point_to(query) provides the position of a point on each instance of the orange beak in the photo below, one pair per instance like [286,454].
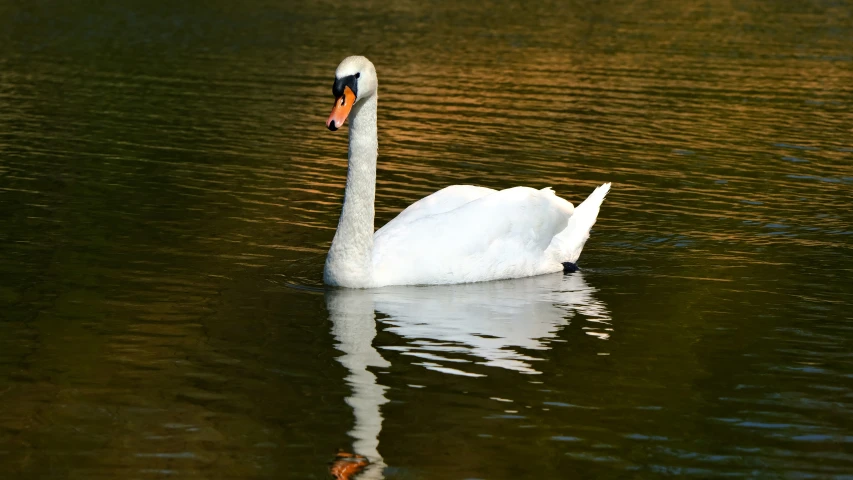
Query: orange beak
[341,109]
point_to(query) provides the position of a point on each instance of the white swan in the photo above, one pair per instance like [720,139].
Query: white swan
[459,234]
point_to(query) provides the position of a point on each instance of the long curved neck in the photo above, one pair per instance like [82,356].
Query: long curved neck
[349,261]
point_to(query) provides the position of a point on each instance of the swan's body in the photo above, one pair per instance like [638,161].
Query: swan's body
[459,234]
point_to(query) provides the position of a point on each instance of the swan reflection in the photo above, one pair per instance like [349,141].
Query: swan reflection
[450,327]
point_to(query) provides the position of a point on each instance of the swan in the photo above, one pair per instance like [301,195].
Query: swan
[459,234]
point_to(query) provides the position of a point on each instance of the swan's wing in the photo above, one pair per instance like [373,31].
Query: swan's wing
[503,234]
[444,200]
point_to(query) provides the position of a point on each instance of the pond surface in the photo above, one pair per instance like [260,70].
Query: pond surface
[168,191]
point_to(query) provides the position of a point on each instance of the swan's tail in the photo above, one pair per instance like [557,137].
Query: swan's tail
[570,241]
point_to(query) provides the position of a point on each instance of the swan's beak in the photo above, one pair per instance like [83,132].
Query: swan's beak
[340,111]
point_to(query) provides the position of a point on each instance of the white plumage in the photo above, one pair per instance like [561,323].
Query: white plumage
[459,234]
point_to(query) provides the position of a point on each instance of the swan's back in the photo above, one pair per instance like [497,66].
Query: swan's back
[444,200]
[501,234]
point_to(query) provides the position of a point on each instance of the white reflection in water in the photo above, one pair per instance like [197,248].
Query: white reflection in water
[498,323]
[354,328]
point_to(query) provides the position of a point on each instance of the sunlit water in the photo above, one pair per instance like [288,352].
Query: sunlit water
[168,191]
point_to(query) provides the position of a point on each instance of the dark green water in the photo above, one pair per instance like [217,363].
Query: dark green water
[168,191]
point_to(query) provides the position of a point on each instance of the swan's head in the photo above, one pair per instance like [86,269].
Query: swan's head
[355,80]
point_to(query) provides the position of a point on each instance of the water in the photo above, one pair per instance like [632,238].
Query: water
[168,191]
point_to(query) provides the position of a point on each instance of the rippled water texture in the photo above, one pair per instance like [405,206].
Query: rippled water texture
[168,191]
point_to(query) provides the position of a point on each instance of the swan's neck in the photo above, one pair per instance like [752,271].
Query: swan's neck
[349,261]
